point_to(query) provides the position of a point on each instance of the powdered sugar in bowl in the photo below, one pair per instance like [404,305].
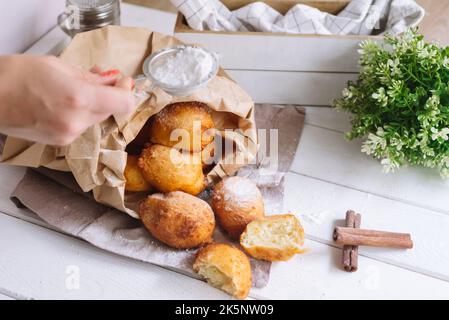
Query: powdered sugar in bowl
[182,69]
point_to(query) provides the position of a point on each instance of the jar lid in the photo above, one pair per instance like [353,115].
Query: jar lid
[92,5]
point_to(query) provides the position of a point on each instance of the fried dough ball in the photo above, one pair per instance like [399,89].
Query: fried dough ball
[191,120]
[168,169]
[225,267]
[237,201]
[135,182]
[178,219]
[208,156]
[274,238]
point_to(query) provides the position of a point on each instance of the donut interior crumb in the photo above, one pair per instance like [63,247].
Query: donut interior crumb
[278,234]
[216,278]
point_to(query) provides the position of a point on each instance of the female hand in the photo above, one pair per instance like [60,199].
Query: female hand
[45,100]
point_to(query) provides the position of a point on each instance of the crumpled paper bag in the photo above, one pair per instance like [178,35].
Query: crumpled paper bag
[360,17]
[97,159]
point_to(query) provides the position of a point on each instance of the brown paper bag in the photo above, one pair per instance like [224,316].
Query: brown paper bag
[98,158]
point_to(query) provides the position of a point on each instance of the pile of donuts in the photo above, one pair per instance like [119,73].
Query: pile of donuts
[172,173]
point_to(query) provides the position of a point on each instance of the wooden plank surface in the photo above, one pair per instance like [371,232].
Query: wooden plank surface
[280,52]
[331,175]
[280,87]
[152,18]
[41,264]
[4,297]
[328,118]
[316,275]
[13,175]
[324,207]
[414,200]
[326,155]
[340,199]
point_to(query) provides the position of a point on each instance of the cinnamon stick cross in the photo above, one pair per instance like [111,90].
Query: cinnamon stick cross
[352,236]
[372,238]
[350,257]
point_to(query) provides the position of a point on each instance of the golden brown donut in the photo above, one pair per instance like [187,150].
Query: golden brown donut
[135,181]
[225,267]
[236,202]
[208,156]
[168,169]
[192,118]
[274,238]
[178,219]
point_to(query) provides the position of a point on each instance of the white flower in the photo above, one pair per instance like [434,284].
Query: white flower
[394,87]
[433,103]
[389,166]
[444,173]
[408,35]
[380,96]
[374,142]
[445,161]
[446,62]
[397,143]
[368,46]
[367,148]
[394,66]
[380,93]
[420,45]
[443,134]
[425,149]
[415,144]
[423,54]
[347,93]
[380,132]
[428,53]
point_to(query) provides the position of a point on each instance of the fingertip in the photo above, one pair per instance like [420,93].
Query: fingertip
[110,79]
[110,73]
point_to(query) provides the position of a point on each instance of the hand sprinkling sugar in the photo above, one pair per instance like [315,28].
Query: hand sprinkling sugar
[186,67]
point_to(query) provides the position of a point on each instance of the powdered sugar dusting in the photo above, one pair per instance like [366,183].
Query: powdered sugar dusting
[315,218]
[186,67]
[240,191]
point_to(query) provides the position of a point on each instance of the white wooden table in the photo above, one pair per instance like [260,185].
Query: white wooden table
[329,176]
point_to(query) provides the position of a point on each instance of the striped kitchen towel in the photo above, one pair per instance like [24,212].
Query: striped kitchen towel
[363,17]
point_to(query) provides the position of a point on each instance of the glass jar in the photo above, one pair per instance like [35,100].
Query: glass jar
[86,15]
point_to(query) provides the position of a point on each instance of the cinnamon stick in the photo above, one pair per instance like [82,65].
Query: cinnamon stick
[372,238]
[350,252]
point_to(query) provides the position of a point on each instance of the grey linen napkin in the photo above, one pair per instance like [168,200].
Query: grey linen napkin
[56,198]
